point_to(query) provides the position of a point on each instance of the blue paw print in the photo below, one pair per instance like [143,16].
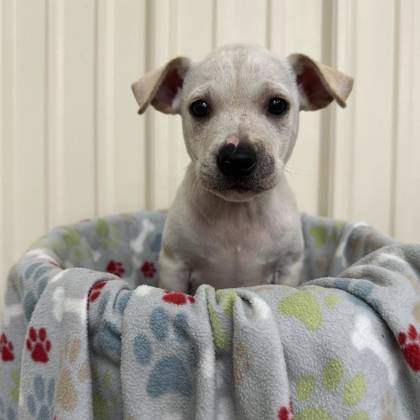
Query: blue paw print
[37,275]
[40,402]
[156,244]
[6,414]
[107,337]
[170,372]
[360,288]
[122,300]
[361,292]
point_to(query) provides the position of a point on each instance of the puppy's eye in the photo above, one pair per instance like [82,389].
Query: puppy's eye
[200,108]
[277,106]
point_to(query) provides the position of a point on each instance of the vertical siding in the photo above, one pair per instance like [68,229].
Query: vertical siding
[2,169]
[77,188]
[240,21]
[72,145]
[373,113]
[342,130]
[120,141]
[405,206]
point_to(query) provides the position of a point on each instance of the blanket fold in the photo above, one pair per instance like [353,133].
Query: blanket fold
[87,334]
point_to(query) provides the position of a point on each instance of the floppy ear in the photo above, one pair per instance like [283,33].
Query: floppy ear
[319,84]
[161,87]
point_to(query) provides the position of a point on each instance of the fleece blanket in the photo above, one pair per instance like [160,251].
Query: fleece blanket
[87,334]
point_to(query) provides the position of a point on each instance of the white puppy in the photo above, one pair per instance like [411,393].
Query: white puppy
[234,221]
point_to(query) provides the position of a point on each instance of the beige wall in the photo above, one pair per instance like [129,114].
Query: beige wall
[73,147]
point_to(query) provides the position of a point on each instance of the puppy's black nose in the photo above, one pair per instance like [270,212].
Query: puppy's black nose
[236,160]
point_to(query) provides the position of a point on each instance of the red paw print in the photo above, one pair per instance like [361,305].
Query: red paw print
[115,267]
[410,346]
[286,413]
[177,298]
[38,344]
[6,349]
[96,290]
[148,269]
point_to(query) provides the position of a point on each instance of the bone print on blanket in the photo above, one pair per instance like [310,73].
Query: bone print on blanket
[87,334]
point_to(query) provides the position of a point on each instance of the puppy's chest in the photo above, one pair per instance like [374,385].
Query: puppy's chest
[237,254]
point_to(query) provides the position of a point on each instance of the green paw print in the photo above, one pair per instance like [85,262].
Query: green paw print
[109,236]
[221,337]
[306,307]
[15,377]
[323,235]
[71,236]
[350,392]
[104,402]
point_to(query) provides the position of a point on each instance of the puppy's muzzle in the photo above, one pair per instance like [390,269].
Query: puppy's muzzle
[237,161]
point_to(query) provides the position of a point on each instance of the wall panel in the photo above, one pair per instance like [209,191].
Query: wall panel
[341,165]
[373,113]
[78,84]
[120,132]
[3,246]
[160,48]
[240,21]
[405,205]
[23,128]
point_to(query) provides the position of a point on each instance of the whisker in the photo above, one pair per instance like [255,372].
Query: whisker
[295,171]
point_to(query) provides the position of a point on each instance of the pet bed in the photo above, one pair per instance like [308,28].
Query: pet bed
[87,334]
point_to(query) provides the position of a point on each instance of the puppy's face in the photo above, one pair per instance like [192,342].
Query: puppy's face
[240,112]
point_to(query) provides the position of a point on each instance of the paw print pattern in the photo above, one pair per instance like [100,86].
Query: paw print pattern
[332,380]
[6,349]
[96,290]
[15,384]
[286,412]
[168,374]
[73,373]
[38,344]
[37,275]
[148,269]
[39,403]
[410,346]
[115,267]
[106,398]
[6,413]
[306,307]
[177,298]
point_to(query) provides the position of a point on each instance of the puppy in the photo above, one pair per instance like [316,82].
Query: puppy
[234,221]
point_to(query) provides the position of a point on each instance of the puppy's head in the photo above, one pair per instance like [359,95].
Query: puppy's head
[240,112]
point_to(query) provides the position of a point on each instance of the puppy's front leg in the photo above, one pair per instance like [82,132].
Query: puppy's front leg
[174,273]
[289,275]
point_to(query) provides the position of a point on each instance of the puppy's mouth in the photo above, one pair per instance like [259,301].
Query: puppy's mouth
[264,177]
[239,189]
[244,187]
[235,192]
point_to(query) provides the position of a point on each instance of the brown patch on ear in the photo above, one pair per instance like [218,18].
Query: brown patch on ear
[173,83]
[315,92]
[160,87]
[319,84]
